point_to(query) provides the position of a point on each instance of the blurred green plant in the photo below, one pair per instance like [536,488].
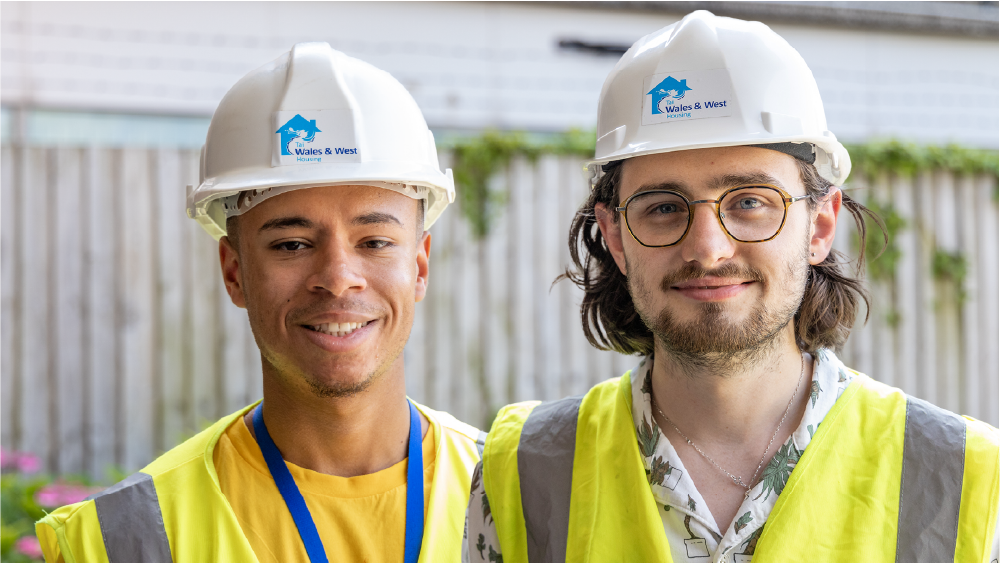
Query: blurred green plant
[902,158]
[951,268]
[25,497]
[477,159]
[882,256]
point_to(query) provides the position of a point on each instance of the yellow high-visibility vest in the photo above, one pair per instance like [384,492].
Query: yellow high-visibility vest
[174,509]
[886,478]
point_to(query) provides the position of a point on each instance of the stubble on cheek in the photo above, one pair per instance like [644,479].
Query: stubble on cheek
[714,337]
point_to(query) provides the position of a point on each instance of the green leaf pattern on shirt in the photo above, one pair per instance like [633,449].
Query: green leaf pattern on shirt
[777,471]
[743,521]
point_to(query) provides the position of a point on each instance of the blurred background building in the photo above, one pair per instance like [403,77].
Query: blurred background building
[117,338]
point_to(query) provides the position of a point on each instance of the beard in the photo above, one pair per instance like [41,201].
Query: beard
[715,339]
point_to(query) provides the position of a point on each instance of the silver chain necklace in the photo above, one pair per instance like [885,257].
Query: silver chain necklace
[738,480]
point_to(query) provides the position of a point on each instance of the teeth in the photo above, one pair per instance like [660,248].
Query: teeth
[339,329]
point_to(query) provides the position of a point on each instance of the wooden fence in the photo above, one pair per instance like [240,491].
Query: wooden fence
[118,339]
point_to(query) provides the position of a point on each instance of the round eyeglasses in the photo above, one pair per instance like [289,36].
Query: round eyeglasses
[748,214]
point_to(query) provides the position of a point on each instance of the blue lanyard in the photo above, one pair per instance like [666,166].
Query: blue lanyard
[300,512]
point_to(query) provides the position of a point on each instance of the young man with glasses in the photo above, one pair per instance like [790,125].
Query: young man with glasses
[706,247]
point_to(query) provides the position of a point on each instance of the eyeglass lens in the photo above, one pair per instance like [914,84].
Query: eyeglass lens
[753,213]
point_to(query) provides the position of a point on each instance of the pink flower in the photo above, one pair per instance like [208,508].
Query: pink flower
[59,494]
[28,545]
[28,463]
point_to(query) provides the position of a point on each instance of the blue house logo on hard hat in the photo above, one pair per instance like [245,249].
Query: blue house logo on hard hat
[664,94]
[297,128]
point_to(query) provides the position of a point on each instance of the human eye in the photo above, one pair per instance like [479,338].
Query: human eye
[377,244]
[666,208]
[289,246]
[749,203]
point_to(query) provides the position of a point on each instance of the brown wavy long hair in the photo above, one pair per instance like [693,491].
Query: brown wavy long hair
[611,322]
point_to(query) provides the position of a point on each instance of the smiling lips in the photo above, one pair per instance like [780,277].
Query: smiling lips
[338,329]
[711,288]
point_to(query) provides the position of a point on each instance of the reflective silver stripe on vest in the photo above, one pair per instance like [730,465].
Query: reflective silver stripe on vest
[131,522]
[545,466]
[931,490]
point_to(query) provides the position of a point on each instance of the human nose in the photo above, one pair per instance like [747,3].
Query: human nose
[338,270]
[706,242]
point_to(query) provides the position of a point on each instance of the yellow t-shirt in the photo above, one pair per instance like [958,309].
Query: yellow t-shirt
[359,519]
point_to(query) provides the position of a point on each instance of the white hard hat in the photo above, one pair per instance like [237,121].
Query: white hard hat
[709,81]
[315,117]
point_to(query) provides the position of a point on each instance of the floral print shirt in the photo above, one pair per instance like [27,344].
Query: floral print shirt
[692,531]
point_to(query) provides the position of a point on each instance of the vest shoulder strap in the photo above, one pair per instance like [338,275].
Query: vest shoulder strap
[909,459]
[131,521]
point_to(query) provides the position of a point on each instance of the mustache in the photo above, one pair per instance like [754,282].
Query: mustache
[691,271]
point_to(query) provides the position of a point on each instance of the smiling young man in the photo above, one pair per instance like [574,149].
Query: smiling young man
[320,178]
[706,247]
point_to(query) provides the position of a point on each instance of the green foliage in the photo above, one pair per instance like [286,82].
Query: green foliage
[951,268]
[882,256]
[18,513]
[908,158]
[478,159]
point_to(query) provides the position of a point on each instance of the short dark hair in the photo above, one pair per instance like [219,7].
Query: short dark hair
[611,322]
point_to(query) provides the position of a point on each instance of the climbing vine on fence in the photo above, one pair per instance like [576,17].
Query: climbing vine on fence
[897,157]
[951,268]
[478,158]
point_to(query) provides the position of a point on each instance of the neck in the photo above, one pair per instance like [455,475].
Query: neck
[343,436]
[730,400]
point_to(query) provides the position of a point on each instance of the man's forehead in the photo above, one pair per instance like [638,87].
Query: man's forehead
[714,170]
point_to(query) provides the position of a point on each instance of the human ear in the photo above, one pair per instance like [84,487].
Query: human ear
[423,266]
[229,260]
[824,226]
[612,233]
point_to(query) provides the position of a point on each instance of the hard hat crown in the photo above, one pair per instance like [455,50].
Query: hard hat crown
[315,117]
[708,81]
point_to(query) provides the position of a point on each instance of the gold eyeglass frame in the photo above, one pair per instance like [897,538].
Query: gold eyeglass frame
[787,198]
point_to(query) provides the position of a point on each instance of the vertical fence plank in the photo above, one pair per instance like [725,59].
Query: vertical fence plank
[463,320]
[33,240]
[521,232]
[440,303]
[882,321]
[989,273]
[102,328]
[946,306]
[68,304]
[495,333]
[137,303]
[171,258]
[545,247]
[572,194]
[908,305]
[969,370]
[927,335]
[203,337]
[10,303]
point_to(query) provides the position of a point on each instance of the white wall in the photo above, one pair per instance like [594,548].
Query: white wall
[469,65]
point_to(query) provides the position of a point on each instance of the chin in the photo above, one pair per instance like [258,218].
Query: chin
[342,387]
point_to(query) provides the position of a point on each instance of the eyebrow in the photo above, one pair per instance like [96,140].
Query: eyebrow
[718,183]
[286,223]
[375,218]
